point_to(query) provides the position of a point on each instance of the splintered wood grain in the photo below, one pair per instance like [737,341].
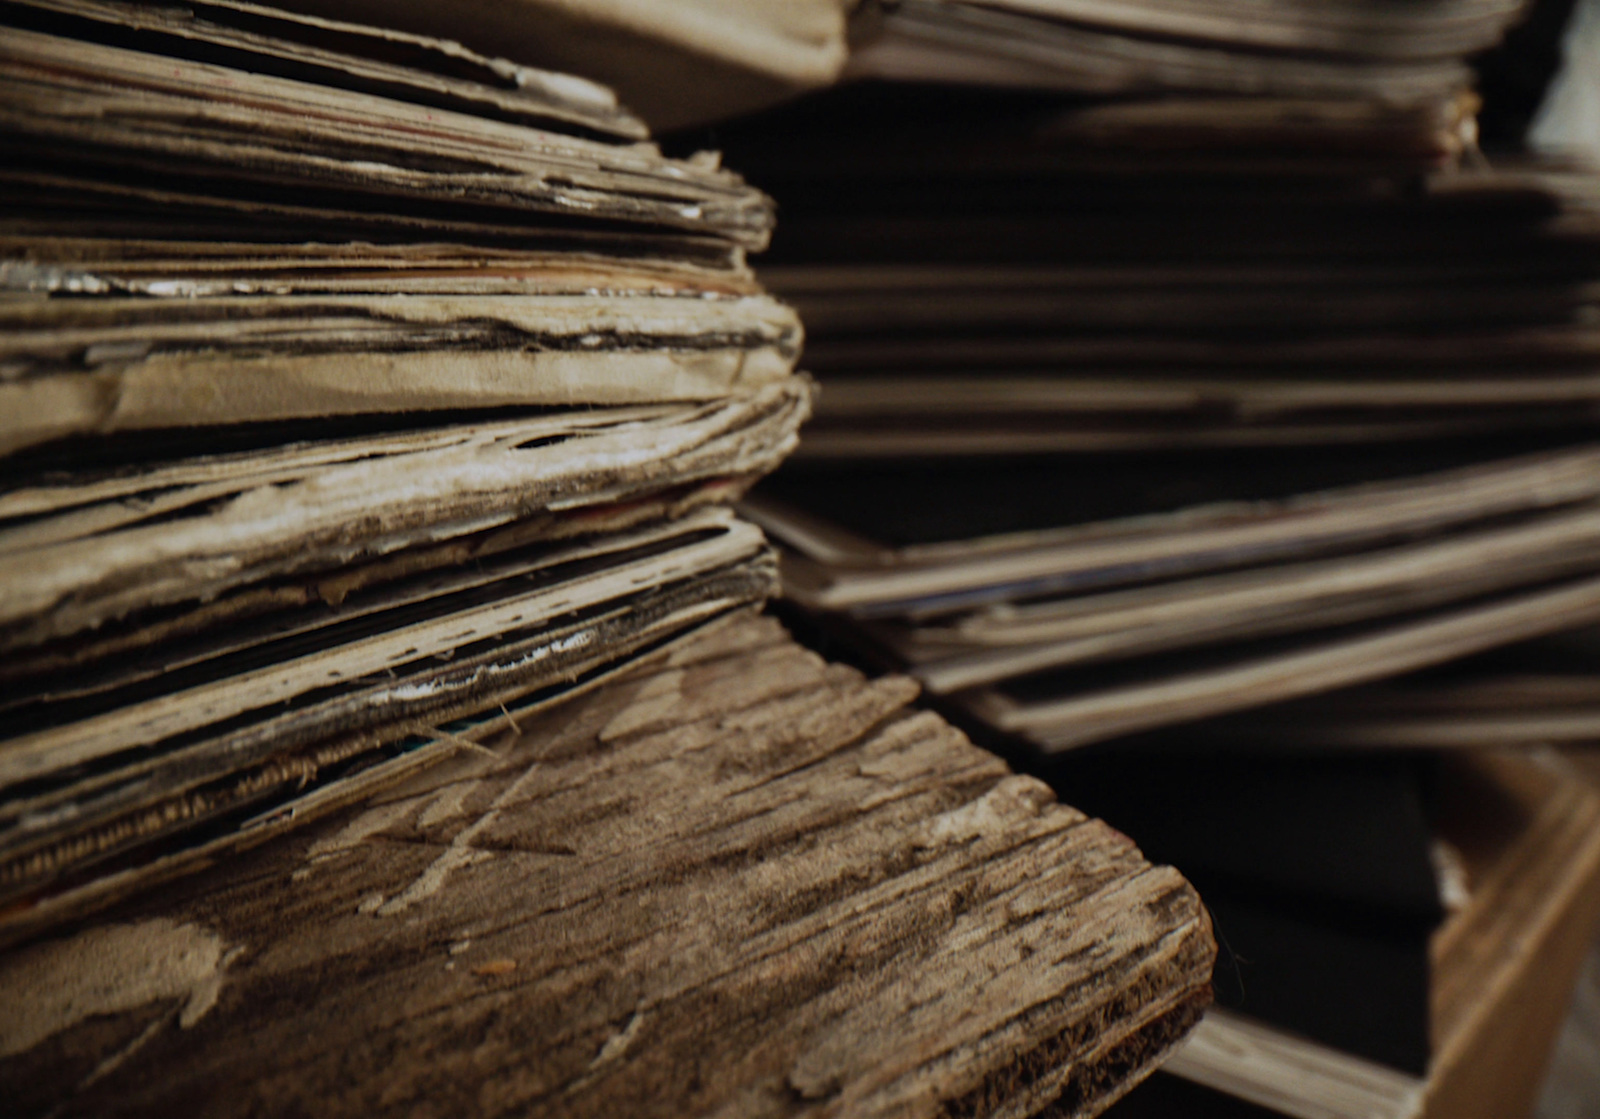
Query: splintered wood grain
[739,882]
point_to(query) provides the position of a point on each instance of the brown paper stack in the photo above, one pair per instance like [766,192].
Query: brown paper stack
[360,395]
[1237,377]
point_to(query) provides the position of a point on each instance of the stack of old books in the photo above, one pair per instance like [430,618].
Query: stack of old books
[360,395]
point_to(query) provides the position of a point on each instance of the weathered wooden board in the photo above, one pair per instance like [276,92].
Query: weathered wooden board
[1527,825]
[738,882]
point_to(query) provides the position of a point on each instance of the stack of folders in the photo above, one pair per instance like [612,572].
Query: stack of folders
[1206,420]
[358,394]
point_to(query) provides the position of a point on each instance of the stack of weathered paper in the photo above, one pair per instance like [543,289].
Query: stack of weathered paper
[1533,694]
[1188,48]
[359,394]
[1140,411]
[1058,303]
[1175,609]
[696,61]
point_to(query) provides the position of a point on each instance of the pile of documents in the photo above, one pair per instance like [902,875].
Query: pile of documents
[359,394]
[1145,410]
[1187,48]
[1176,609]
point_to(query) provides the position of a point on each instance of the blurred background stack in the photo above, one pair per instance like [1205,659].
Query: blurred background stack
[1206,417]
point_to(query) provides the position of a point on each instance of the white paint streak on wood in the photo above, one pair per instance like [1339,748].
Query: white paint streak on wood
[655,702]
[54,985]
[460,853]
[119,1058]
[1013,799]
[370,822]
[448,804]
[617,1044]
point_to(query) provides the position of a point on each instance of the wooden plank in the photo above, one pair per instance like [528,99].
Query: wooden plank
[1504,967]
[737,882]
